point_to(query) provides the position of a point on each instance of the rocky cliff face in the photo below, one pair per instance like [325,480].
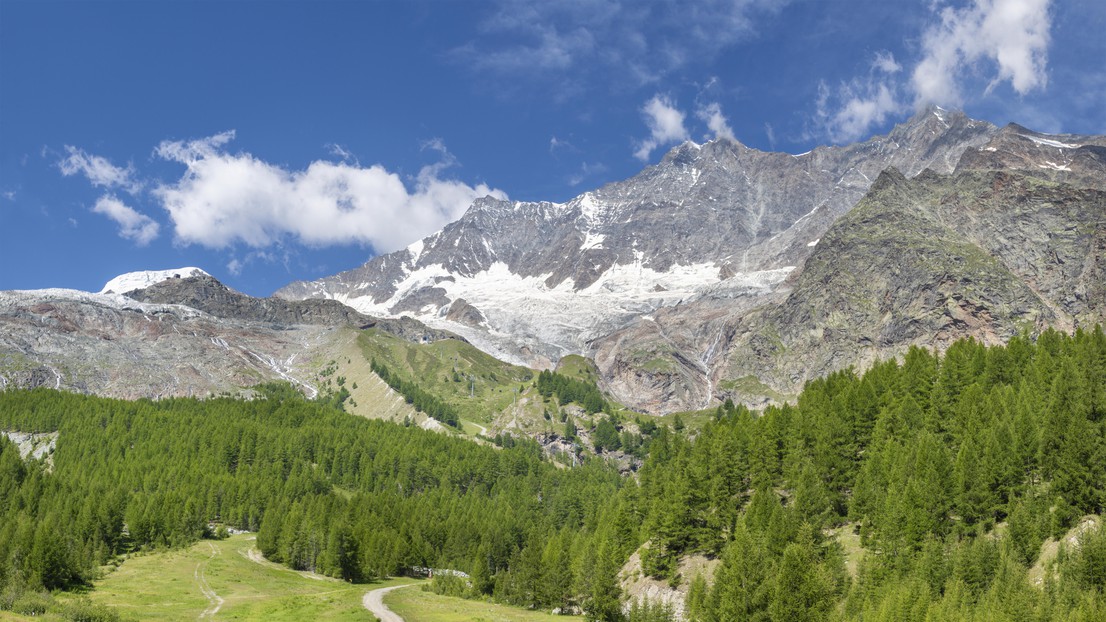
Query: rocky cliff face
[531,282]
[922,261]
[925,262]
[175,337]
[728,272]
[112,345]
[720,272]
[205,293]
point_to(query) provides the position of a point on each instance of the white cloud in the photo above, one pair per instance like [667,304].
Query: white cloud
[187,152]
[99,170]
[559,143]
[341,153]
[770,132]
[711,114]
[1000,40]
[885,62]
[225,198]
[641,40]
[851,110]
[1013,35]
[666,125]
[132,225]
[857,107]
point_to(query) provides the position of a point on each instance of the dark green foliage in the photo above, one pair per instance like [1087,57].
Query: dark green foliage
[339,495]
[570,429]
[568,389]
[922,459]
[416,396]
[645,611]
[605,437]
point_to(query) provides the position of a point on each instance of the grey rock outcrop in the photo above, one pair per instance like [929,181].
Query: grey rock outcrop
[176,337]
[724,271]
[570,273]
[207,294]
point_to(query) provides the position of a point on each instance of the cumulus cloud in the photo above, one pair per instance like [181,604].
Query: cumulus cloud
[850,111]
[711,114]
[132,225]
[666,125]
[99,170]
[1011,36]
[224,198]
[997,40]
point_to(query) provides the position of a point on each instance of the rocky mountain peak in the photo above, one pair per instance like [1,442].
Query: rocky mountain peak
[145,278]
[548,278]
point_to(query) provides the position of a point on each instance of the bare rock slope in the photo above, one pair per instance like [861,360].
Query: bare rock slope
[724,271]
[175,337]
[531,282]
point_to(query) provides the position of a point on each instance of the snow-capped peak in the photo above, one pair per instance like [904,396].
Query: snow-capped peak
[141,280]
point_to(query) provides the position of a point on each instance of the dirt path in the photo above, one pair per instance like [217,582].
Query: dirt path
[374,602]
[215,602]
[254,555]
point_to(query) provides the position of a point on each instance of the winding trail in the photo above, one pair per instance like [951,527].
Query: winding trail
[215,602]
[374,602]
[254,555]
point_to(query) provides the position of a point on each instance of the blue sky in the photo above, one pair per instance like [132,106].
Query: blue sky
[272,141]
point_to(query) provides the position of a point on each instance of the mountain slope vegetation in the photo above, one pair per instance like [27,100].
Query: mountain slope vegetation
[953,470]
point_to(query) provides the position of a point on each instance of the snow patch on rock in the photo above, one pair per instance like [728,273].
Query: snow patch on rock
[141,280]
[1050,143]
[525,310]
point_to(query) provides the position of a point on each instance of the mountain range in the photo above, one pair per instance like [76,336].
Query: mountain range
[724,271]
[720,272]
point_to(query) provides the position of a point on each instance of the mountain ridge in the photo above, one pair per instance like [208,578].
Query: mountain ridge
[703,215]
[657,276]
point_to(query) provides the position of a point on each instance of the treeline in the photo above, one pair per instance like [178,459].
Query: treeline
[416,396]
[327,492]
[952,470]
[568,389]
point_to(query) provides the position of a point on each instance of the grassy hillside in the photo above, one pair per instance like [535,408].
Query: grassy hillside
[482,388]
[225,579]
[491,396]
[230,580]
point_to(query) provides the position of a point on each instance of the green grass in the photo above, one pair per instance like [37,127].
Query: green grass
[579,367]
[692,419]
[487,393]
[415,605]
[170,585]
[851,548]
[752,386]
[167,586]
[482,386]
